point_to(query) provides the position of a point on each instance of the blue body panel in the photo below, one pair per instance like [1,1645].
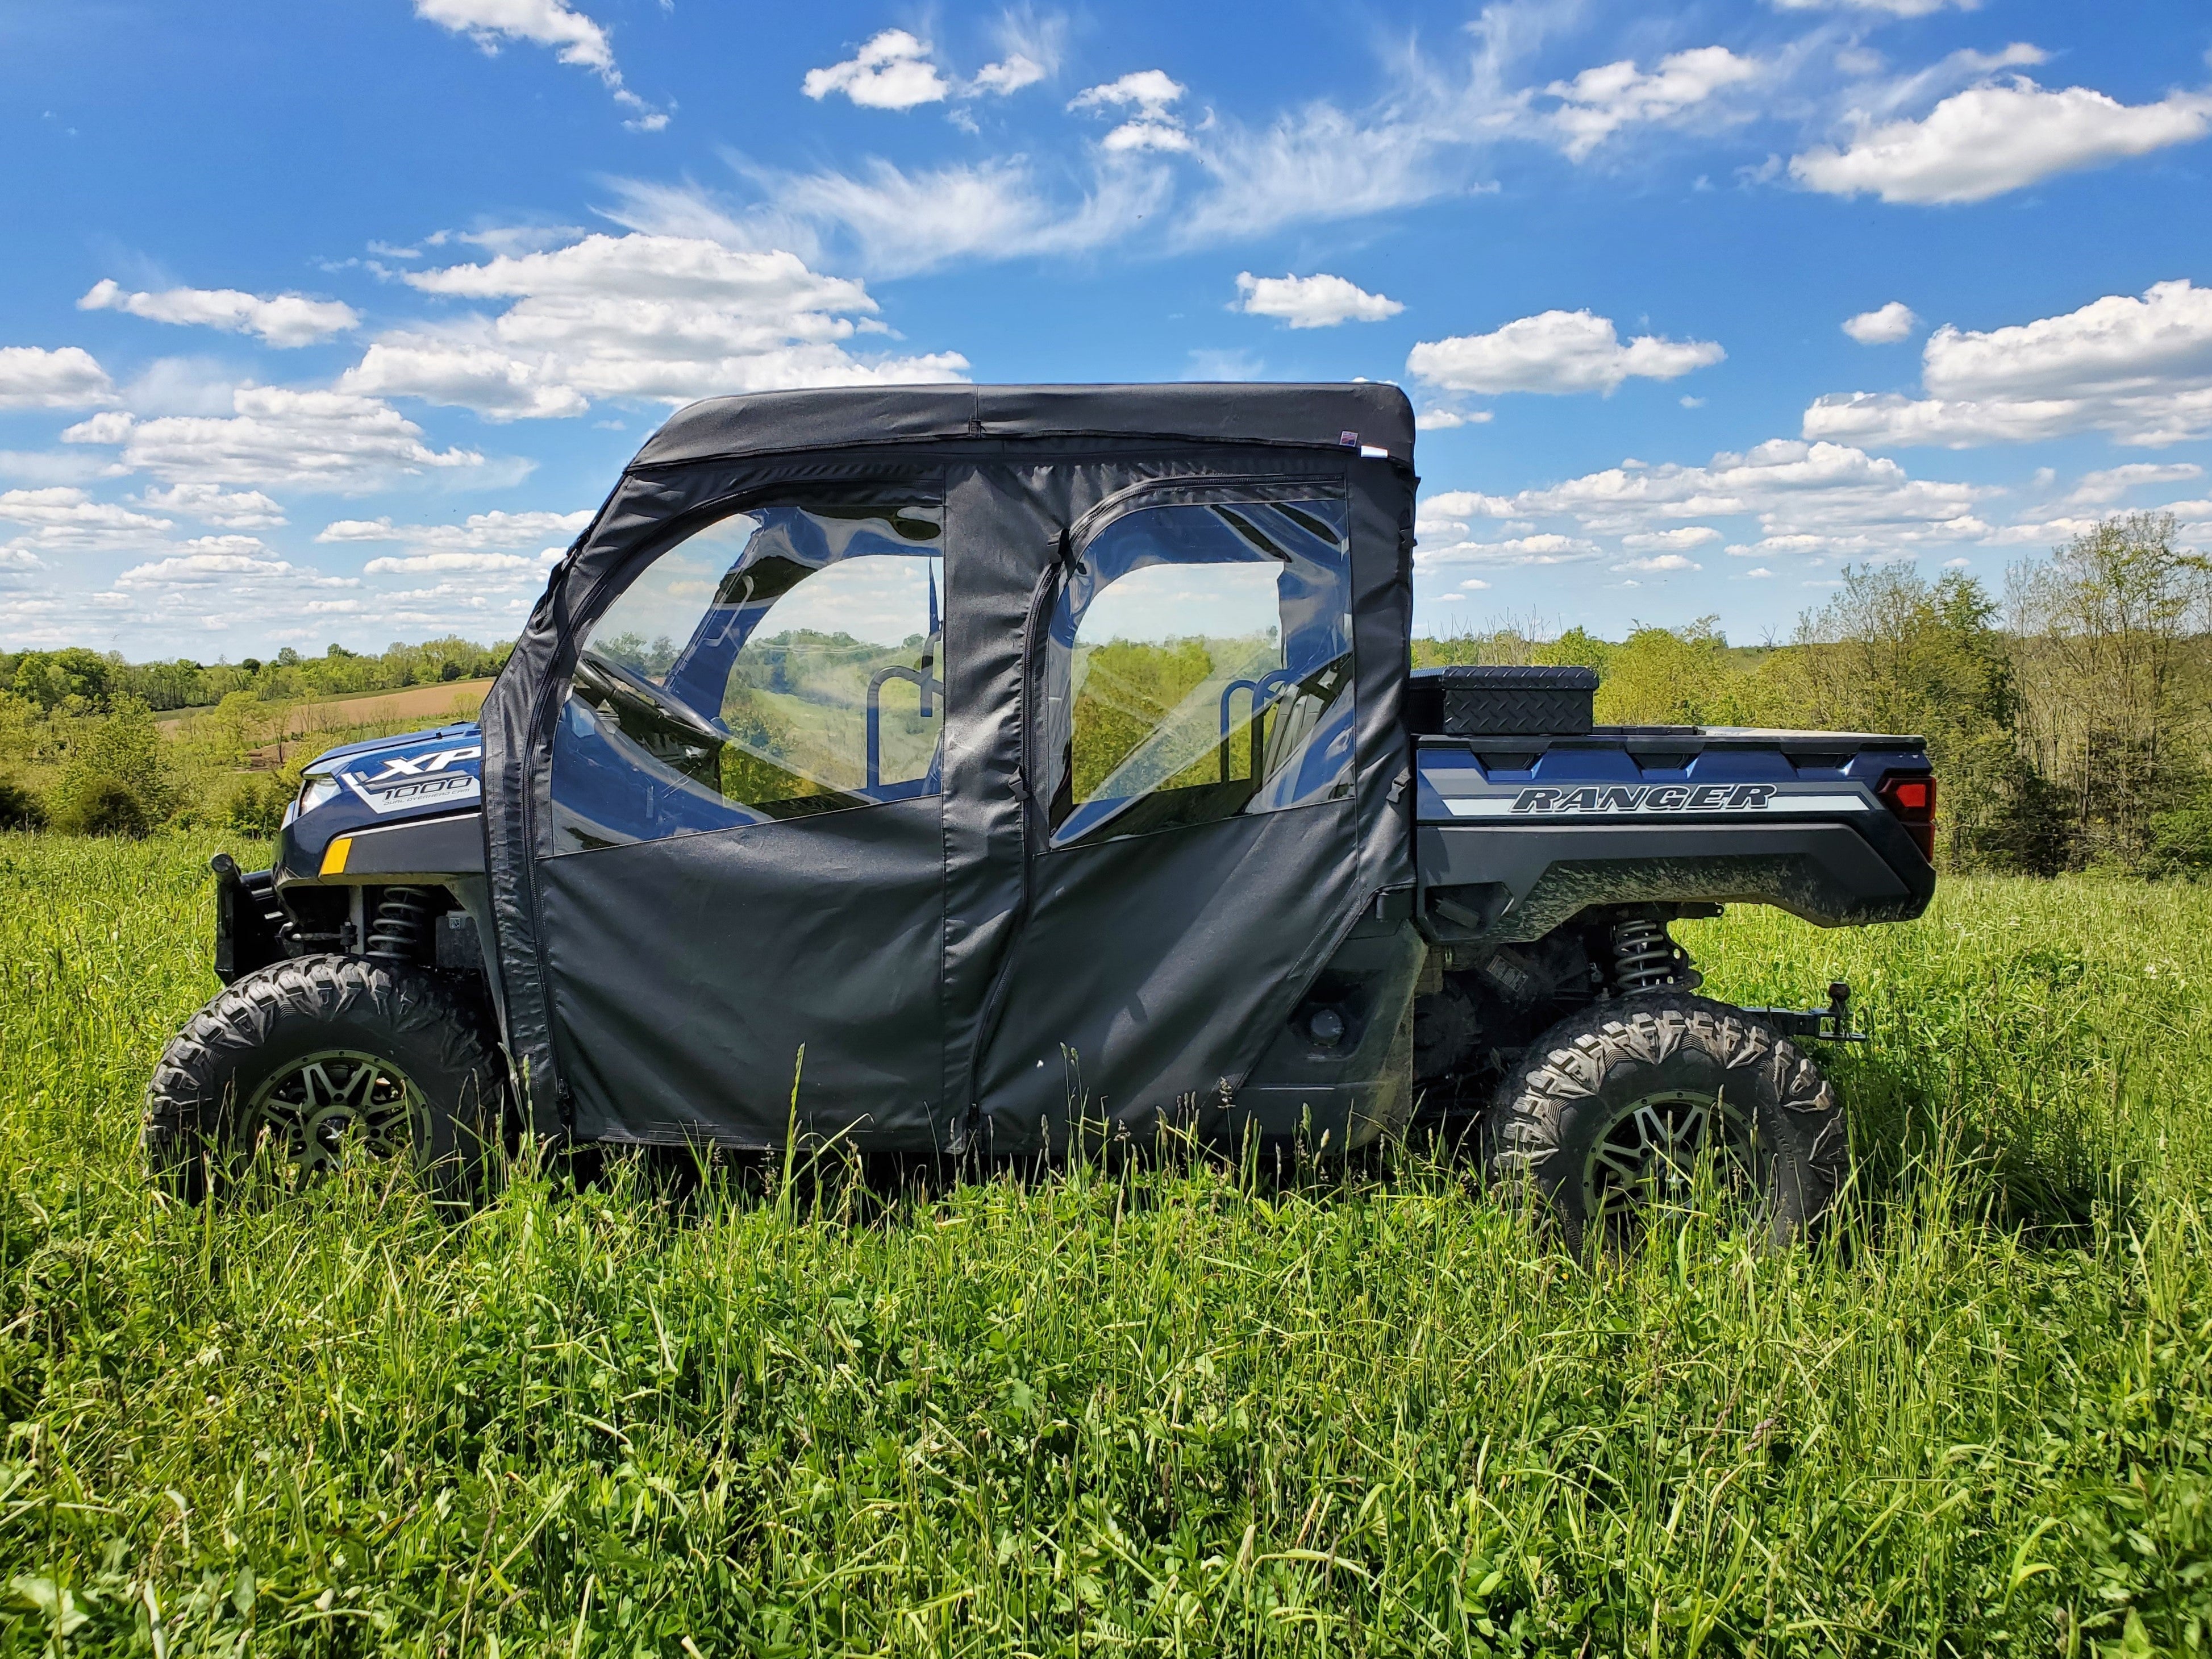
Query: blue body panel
[382,782]
[1519,835]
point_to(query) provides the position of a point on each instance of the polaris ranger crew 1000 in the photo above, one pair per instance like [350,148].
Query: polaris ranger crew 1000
[1034,756]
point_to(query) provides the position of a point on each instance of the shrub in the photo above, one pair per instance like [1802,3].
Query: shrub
[19,808]
[99,805]
[115,780]
[256,805]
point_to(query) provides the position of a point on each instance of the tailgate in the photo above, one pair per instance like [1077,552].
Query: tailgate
[1515,834]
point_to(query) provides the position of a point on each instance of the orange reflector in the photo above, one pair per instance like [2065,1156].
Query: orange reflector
[335,856]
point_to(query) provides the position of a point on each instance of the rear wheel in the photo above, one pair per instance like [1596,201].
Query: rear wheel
[324,1061]
[1619,1109]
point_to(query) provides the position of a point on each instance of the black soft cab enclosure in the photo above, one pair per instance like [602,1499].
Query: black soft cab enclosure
[1018,752]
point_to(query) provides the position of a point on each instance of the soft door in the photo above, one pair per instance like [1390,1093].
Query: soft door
[1191,756]
[746,848]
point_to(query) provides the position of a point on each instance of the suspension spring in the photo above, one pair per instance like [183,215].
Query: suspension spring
[1643,957]
[401,932]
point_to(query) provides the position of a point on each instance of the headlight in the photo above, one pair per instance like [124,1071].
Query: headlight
[319,788]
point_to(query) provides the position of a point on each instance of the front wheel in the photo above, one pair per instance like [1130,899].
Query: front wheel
[1618,1107]
[324,1060]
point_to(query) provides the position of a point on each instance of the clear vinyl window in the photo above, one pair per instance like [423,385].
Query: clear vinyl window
[782,661]
[1199,665]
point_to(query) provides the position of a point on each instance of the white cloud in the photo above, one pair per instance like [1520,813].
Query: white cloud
[1806,498]
[1317,301]
[469,596]
[2035,530]
[62,505]
[1313,163]
[2139,370]
[1688,535]
[2116,345]
[67,377]
[1659,563]
[287,320]
[1761,572]
[1445,420]
[246,509]
[1131,136]
[661,318]
[321,439]
[53,466]
[1874,99]
[1151,94]
[574,38]
[109,426]
[363,530]
[452,369]
[230,560]
[1885,325]
[65,519]
[897,71]
[893,70]
[1600,102]
[1319,164]
[1555,352]
[1445,516]
[1016,71]
[509,565]
[900,222]
[1993,138]
[480,531]
[181,386]
[1892,421]
[1148,92]
[1030,48]
[1546,547]
[2102,487]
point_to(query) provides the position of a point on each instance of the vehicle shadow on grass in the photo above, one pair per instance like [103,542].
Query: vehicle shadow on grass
[821,1177]
[2049,1190]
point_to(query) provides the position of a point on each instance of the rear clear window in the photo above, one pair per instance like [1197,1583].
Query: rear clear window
[784,661]
[1200,666]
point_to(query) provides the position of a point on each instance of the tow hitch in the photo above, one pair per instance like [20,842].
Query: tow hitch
[1830,1024]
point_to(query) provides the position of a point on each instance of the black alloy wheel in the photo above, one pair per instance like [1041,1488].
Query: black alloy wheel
[1627,1105]
[324,1061]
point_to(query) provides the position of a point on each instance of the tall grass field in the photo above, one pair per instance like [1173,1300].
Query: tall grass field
[1177,1406]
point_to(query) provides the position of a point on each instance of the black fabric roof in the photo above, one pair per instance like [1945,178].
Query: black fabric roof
[767,423]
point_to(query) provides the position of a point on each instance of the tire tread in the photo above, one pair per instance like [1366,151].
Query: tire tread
[188,1098]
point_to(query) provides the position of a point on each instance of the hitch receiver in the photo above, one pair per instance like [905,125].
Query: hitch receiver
[1830,1024]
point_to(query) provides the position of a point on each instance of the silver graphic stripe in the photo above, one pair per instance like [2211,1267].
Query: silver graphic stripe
[1501,806]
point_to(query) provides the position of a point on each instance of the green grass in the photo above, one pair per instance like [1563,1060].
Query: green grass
[1168,1410]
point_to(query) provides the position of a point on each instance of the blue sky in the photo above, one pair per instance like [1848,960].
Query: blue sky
[326,323]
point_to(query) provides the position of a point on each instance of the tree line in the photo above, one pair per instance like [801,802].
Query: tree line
[81,749]
[2070,715]
[93,679]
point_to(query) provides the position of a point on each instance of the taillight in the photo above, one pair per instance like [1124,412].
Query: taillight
[1911,798]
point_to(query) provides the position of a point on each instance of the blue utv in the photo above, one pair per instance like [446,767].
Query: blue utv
[1045,760]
